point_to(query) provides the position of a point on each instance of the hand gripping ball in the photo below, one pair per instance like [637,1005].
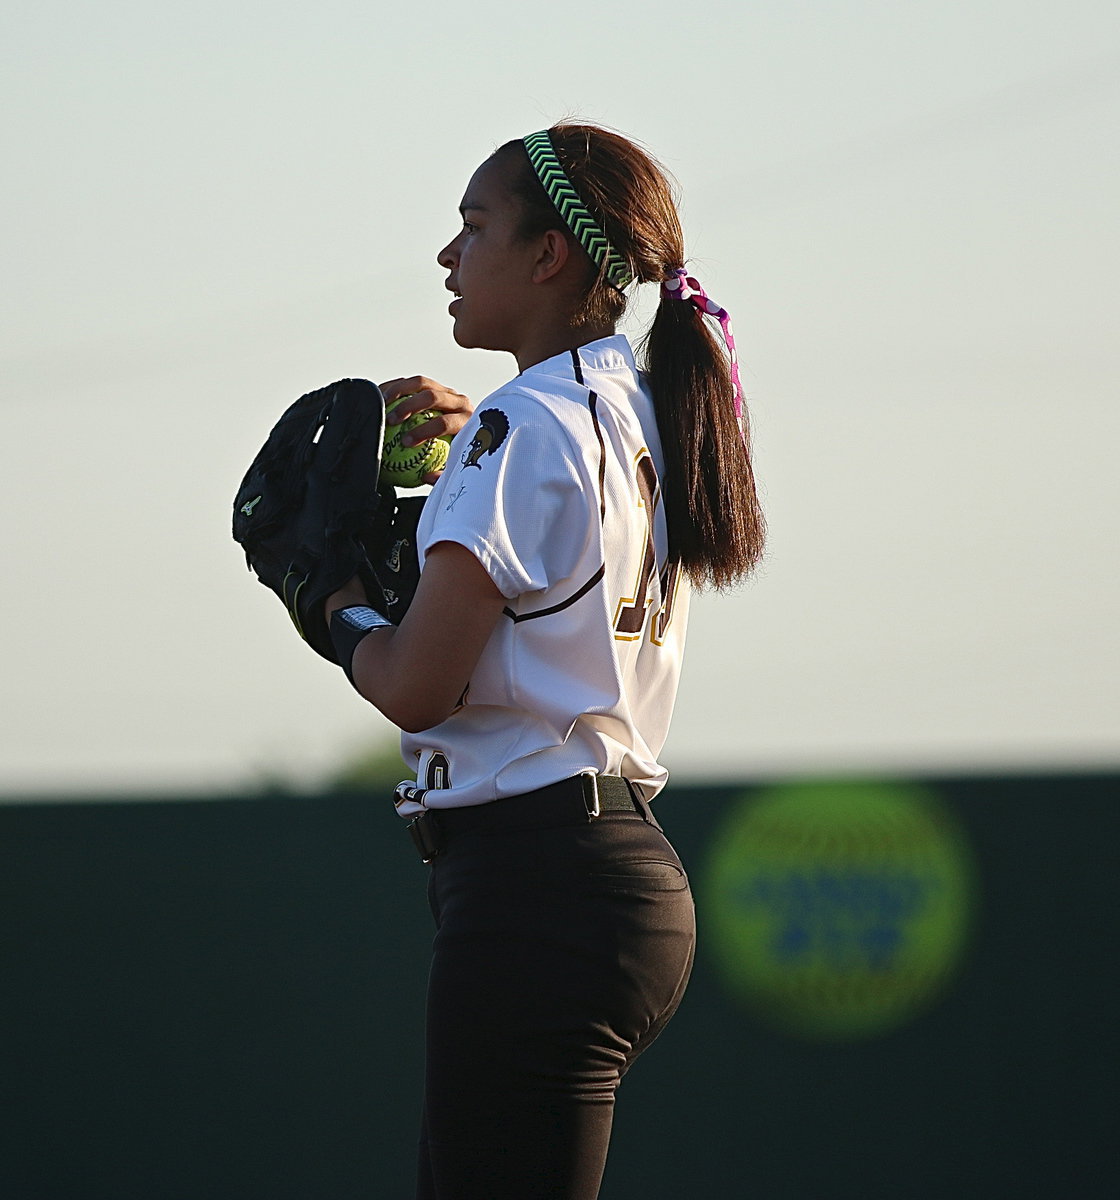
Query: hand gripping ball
[405,466]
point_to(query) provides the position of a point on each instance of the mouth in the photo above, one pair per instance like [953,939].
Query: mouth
[454,303]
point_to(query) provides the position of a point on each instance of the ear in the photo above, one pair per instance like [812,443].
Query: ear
[552,256]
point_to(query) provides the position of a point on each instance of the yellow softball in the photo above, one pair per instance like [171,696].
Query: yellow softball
[406,466]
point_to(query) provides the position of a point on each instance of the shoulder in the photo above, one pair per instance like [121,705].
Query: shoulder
[529,417]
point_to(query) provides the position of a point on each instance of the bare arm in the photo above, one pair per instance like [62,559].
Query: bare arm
[416,673]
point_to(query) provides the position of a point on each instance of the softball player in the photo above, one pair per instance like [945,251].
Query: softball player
[535,673]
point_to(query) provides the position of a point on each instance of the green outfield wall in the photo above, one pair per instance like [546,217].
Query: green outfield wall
[904,990]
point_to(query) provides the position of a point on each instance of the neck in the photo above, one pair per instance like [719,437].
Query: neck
[549,343]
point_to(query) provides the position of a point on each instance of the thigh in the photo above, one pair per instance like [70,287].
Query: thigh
[559,956]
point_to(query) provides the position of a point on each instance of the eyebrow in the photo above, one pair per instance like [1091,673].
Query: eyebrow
[471,206]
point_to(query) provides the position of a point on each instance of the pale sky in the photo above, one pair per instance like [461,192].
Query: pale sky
[910,211]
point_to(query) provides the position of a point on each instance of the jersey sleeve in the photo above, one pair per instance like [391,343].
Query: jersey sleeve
[513,494]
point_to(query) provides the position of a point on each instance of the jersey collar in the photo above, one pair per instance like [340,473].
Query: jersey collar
[607,354]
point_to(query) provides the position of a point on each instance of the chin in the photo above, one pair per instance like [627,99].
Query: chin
[475,341]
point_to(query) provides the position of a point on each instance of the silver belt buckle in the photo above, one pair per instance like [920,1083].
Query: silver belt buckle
[589,782]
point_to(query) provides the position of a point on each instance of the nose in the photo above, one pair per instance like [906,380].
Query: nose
[449,255]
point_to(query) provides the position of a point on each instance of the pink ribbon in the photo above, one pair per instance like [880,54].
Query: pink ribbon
[682,286]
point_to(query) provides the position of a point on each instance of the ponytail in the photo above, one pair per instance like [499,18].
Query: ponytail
[715,523]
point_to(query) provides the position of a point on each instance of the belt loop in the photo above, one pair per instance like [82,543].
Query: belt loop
[589,782]
[424,830]
[642,805]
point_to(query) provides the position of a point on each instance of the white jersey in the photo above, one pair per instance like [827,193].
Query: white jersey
[554,486]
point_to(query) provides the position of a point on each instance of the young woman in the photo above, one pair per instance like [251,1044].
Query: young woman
[535,672]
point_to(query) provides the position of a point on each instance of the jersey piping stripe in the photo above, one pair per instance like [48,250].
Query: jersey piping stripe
[592,403]
[592,400]
[548,612]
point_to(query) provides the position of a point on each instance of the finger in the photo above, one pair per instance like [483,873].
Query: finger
[394,389]
[411,395]
[389,389]
[455,407]
[432,476]
[442,424]
[433,428]
[410,403]
[454,421]
[449,401]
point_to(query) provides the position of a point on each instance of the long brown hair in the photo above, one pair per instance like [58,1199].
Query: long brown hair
[715,523]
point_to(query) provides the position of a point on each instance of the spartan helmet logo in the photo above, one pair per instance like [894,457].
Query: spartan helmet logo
[493,425]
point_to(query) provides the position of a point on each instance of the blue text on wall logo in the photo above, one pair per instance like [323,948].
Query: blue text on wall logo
[838,910]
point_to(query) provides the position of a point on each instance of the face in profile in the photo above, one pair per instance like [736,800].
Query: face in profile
[489,264]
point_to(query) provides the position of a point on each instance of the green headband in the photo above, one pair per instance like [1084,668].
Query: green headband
[576,214]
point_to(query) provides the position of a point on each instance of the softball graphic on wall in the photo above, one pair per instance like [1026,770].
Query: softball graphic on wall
[839,910]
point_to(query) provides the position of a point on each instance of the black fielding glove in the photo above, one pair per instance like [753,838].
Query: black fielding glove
[310,514]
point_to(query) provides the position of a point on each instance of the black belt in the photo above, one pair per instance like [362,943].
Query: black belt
[574,801]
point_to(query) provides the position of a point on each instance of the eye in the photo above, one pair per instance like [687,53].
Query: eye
[469,227]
